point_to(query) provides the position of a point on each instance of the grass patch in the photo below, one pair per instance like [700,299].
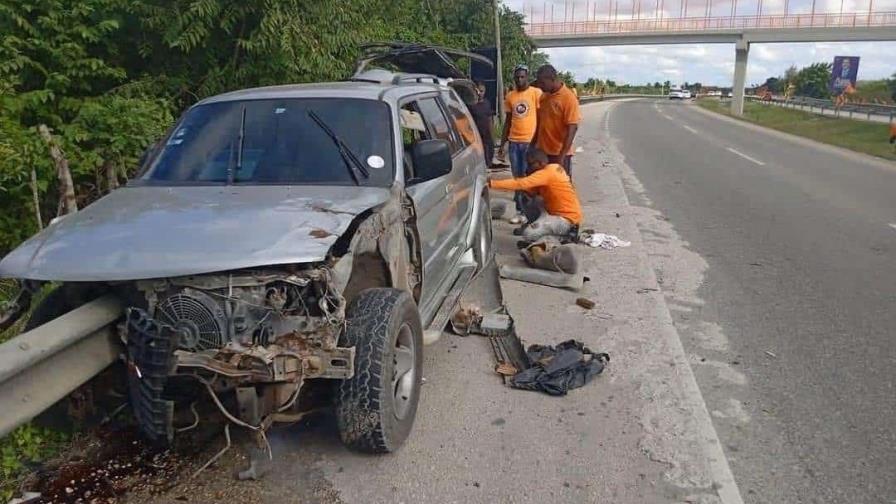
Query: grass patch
[860,136]
[21,451]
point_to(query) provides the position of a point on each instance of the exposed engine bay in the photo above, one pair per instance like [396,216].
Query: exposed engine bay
[249,339]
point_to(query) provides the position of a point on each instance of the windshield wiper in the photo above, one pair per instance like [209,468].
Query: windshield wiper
[351,160]
[239,149]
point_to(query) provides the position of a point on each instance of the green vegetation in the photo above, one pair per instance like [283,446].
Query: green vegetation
[107,77]
[87,86]
[861,136]
[24,447]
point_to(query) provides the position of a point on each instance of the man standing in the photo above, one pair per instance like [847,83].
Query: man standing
[521,104]
[558,118]
[482,115]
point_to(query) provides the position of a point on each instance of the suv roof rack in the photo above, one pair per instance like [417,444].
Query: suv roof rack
[382,76]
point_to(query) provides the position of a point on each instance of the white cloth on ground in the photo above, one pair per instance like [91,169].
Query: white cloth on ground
[603,241]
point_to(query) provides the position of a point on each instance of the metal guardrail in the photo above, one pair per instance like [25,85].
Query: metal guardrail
[597,98]
[810,104]
[45,364]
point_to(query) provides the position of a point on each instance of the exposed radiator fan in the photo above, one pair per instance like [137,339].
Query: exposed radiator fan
[197,319]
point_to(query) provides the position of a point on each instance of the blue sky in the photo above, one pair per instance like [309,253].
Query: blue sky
[710,64]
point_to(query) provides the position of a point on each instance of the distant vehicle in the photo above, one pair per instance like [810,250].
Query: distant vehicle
[727,94]
[686,94]
[676,93]
[716,94]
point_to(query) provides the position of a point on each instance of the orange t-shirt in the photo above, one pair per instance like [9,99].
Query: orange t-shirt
[523,107]
[893,130]
[557,111]
[553,185]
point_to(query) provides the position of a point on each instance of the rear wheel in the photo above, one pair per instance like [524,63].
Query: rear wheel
[375,409]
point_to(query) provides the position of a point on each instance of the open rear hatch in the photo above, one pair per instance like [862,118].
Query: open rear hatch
[421,60]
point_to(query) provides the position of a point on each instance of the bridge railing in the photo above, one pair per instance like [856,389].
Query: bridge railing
[692,24]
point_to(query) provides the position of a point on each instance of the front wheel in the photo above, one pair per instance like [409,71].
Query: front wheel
[375,409]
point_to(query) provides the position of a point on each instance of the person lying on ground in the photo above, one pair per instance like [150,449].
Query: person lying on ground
[560,210]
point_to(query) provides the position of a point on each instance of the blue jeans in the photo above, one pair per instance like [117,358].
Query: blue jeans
[518,164]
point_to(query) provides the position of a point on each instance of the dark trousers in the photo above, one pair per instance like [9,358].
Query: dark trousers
[531,206]
[564,161]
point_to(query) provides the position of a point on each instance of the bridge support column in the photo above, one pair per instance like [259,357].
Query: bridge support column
[742,50]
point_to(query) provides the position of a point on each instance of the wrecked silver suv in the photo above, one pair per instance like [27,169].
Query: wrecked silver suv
[280,235]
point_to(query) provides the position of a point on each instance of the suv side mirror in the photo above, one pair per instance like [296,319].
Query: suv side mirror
[432,159]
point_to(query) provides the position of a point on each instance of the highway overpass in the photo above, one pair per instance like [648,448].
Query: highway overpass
[600,24]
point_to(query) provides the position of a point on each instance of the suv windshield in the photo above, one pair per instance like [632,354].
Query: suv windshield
[278,142]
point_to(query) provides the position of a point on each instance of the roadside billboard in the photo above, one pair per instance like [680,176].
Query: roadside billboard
[844,73]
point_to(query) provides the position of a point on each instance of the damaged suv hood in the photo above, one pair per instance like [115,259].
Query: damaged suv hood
[154,232]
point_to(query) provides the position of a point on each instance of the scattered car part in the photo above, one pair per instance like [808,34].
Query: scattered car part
[550,278]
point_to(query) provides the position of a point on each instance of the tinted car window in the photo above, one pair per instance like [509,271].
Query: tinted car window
[463,123]
[435,119]
[280,143]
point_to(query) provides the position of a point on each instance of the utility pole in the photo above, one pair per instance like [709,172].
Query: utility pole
[499,81]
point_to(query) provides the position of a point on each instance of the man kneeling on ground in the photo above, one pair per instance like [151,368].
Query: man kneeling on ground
[557,210]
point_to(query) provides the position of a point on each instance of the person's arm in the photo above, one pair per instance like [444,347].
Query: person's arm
[571,130]
[507,118]
[572,116]
[536,180]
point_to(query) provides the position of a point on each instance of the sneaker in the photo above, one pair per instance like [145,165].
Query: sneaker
[518,219]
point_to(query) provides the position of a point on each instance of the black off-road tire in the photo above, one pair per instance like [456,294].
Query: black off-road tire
[369,415]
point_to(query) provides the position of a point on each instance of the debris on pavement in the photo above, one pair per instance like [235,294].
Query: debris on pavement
[557,370]
[585,303]
[645,290]
[505,369]
[573,281]
[602,240]
[465,319]
[495,324]
[498,209]
[549,254]
[773,355]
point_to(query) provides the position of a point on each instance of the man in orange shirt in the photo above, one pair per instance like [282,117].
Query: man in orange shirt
[521,105]
[893,133]
[561,211]
[558,118]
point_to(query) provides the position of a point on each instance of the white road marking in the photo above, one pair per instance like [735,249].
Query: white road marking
[692,130]
[748,158]
[892,225]
[667,116]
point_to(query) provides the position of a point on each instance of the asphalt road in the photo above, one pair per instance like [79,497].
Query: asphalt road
[778,266]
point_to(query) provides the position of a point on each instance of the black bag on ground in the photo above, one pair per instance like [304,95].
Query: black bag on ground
[556,370]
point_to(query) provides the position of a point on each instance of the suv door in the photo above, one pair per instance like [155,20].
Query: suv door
[437,213]
[469,158]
